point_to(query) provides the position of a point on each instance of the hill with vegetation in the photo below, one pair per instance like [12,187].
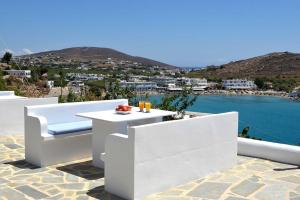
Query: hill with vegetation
[95,55]
[280,64]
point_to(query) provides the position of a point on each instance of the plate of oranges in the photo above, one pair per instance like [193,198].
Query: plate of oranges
[123,109]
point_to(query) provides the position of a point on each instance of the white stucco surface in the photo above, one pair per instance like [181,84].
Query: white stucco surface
[109,122]
[269,150]
[155,157]
[12,112]
[43,149]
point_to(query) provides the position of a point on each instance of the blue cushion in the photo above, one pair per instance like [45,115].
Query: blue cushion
[58,129]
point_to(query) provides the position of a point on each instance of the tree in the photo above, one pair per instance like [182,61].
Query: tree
[62,82]
[6,57]
[178,102]
[71,97]
[259,83]
[114,91]
[2,82]
[245,134]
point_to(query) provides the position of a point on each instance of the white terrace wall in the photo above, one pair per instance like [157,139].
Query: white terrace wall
[269,150]
[155,157]
[12,113]
[7,93]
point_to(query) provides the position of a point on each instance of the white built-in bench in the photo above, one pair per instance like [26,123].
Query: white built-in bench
[155,157]
[54,134]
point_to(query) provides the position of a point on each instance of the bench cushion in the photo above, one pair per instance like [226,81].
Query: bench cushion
[63,128]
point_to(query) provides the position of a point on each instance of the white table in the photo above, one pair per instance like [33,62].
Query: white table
[108,122]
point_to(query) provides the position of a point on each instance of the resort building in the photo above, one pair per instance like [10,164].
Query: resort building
[195,82]
[83,77]
[200,82]
[77,84]
[139,86]
[19,73]
[162,80]
[238,84]
[173,88]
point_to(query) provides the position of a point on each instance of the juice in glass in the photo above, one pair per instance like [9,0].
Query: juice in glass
[148,106]
[141,106]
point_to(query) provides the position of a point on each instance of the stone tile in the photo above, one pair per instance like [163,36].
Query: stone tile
[234,198]
[71,178]
[171,192]
[293,194]
[246,188]
[29,191]
[275,191]
[295,198]
[52,179]
[57,173]
[257,178]
[71,186]
[210,190]
[297,189]
[291,179]
[3,181]
[9,193]
[55,197]
[13,146]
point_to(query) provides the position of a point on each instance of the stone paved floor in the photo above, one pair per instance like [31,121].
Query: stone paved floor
[250,179]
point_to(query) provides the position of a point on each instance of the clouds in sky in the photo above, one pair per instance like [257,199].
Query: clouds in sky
[7,50]
[27,51]
[16,53]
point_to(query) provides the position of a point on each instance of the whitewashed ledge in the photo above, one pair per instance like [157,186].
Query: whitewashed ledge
[282,153]
[269,150]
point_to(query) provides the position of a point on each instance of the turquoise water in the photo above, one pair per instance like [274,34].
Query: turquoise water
[270,118]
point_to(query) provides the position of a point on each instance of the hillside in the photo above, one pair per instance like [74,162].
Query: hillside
[94,54]
[285,64]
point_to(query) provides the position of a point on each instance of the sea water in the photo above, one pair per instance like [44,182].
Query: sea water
[273,119]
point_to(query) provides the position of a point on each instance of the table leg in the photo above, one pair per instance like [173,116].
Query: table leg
[100,130]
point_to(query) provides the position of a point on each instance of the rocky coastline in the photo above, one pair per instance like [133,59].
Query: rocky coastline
[227,93]
[244,93]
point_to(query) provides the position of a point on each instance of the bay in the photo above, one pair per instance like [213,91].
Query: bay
[272,119]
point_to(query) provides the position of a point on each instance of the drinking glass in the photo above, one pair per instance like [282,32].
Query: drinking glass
[141,106]
[148,106]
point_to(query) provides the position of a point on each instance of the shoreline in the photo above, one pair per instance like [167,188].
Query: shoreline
[226,93]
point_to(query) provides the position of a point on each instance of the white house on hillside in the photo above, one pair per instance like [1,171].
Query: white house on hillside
[238,84]
[19,73]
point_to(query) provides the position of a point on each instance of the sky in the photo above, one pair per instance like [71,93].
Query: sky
[188,33]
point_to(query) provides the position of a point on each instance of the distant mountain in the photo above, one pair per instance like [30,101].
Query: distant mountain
[95,53]
[271,65]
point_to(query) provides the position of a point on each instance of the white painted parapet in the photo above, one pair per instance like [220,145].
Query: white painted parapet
[7,93]
[12,111]
[155,157]
[269,150]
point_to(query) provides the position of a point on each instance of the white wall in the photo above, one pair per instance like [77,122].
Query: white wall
[12,113]
[158,156]
[269,150]
[7,93]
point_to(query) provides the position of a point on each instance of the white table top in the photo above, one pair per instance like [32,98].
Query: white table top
[112,116]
